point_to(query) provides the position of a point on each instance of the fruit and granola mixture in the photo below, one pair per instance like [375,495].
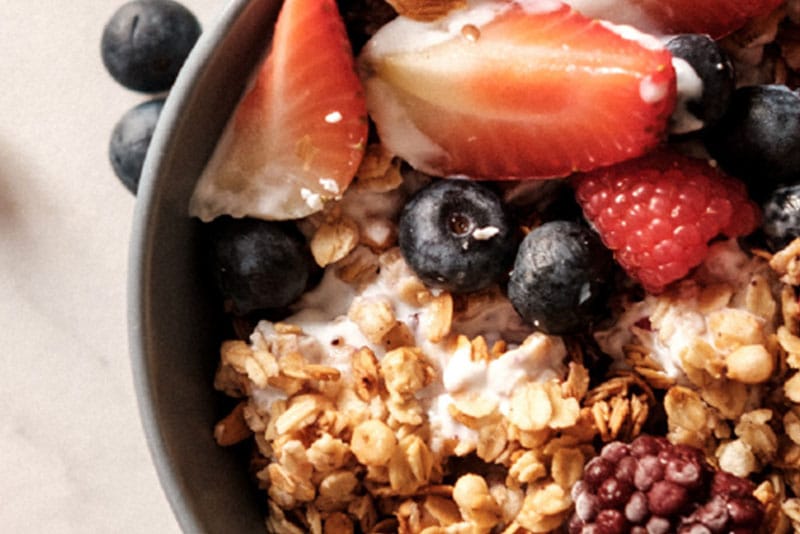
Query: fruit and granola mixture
[505,266]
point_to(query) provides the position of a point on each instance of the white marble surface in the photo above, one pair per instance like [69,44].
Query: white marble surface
[73,456]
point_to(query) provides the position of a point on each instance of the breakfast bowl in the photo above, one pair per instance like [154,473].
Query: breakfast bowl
[496,316]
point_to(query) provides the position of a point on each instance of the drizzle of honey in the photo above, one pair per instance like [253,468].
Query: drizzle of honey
[470,32]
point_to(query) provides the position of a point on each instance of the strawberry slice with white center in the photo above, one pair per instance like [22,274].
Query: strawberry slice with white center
[714,17]
[297,136]
[516,89]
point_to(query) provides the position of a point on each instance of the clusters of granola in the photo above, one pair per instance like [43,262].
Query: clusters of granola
[378,413]
[379,407]
[404,409]
[714,349]
[360,424]
[336,452]
[731,388]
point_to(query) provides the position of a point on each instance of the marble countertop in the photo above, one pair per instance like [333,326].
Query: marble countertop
[74,456]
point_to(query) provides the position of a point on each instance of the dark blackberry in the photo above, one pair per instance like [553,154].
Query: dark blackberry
[651,486]
[597,470]
[667,498]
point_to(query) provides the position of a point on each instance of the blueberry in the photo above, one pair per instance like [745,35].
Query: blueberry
[258,265]
[145,43]
[130,140]
[705,83]
[758,139]
[456,235]
[782,217]
[560,279]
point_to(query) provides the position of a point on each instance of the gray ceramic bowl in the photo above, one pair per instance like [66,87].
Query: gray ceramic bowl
[174,332]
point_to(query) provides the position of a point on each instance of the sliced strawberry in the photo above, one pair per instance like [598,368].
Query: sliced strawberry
[519,89]
[714,17]
[298,134]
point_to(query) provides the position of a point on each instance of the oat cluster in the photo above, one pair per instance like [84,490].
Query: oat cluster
[345,438]
[357,450]
[339,453]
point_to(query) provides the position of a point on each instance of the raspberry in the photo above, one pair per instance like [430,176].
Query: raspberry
[652,486]
[658,213]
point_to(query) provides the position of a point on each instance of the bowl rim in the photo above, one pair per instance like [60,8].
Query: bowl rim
[140,253]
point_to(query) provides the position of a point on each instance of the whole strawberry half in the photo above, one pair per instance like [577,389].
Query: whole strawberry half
[714,17]
[658,213]
[516,89]
[297,136]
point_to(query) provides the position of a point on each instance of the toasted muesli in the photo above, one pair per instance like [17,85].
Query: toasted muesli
[558,390]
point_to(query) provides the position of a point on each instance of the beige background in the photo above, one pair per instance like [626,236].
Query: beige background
[73,457]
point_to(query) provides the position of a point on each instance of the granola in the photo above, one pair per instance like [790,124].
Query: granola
[382,405]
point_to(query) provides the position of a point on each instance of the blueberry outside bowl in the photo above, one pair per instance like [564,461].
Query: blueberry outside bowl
[174,328]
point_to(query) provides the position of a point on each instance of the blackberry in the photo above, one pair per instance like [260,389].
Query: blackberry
[653,486]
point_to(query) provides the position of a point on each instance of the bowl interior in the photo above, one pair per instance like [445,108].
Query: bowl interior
[174,329]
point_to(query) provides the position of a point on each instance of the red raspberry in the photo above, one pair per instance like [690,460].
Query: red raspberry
[658,213]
